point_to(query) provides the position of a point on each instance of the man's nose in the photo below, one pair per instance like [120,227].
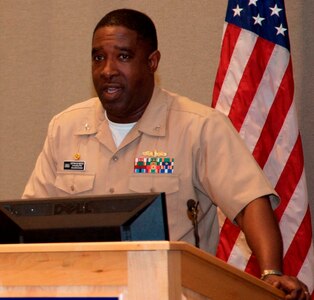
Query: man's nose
[109,69]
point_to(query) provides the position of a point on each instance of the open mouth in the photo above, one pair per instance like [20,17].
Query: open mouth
[112,90]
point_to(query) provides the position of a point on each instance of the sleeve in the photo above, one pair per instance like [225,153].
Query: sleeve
[42,179]
[227,170]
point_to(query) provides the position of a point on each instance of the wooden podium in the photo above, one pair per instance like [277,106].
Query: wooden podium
[124,270]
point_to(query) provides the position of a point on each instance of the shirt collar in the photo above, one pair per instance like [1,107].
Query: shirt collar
[153,121]
[92,119]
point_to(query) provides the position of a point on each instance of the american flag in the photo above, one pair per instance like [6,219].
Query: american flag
[254,87]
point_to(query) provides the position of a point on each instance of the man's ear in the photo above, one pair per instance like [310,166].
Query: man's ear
[153,60]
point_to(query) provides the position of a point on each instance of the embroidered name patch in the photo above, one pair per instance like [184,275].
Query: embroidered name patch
[161,165]
[74,165]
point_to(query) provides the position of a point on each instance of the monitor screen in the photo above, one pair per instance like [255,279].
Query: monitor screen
[125,217]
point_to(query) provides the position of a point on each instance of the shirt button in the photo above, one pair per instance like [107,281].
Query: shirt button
[115,158]
[111,190]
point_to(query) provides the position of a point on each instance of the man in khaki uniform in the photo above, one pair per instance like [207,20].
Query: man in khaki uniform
[136,137]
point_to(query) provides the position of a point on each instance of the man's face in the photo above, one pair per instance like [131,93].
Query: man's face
[123,72]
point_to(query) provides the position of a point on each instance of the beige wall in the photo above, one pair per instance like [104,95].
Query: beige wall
[45,66]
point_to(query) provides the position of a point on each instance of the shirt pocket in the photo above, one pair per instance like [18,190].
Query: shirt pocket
[154,184]
[74,183]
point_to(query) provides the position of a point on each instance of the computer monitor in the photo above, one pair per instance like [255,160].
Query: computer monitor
[125,217]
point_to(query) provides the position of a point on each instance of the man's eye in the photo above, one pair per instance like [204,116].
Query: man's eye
[99,57]
[124,57]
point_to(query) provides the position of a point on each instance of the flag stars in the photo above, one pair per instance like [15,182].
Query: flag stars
[258,20]
[275,10]
[237,11]
[261,18]
[281,30]
[253,2]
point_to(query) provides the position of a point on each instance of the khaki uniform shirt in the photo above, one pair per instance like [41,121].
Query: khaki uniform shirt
[209,162]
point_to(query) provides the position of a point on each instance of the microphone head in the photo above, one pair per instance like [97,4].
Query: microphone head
[191,204]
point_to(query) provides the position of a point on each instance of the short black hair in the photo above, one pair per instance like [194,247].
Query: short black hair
[133,20]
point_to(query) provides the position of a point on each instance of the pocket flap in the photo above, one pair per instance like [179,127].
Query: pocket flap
[74,183]
[154,183]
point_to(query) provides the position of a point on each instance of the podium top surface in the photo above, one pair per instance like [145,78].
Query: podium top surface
[95,246]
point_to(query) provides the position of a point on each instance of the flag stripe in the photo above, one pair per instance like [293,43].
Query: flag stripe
[291,173]
[226,243]
[284,145]
[275,119]
[291,265]
[240,56]
[258,112]
[250,80]
[240,247]
[295,210]
[307,270]
[252,266]
[230,38]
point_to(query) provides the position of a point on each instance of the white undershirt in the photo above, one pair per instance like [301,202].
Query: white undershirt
[119,130]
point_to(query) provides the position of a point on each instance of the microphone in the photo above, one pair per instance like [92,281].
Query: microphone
[192,214]
[191,205]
